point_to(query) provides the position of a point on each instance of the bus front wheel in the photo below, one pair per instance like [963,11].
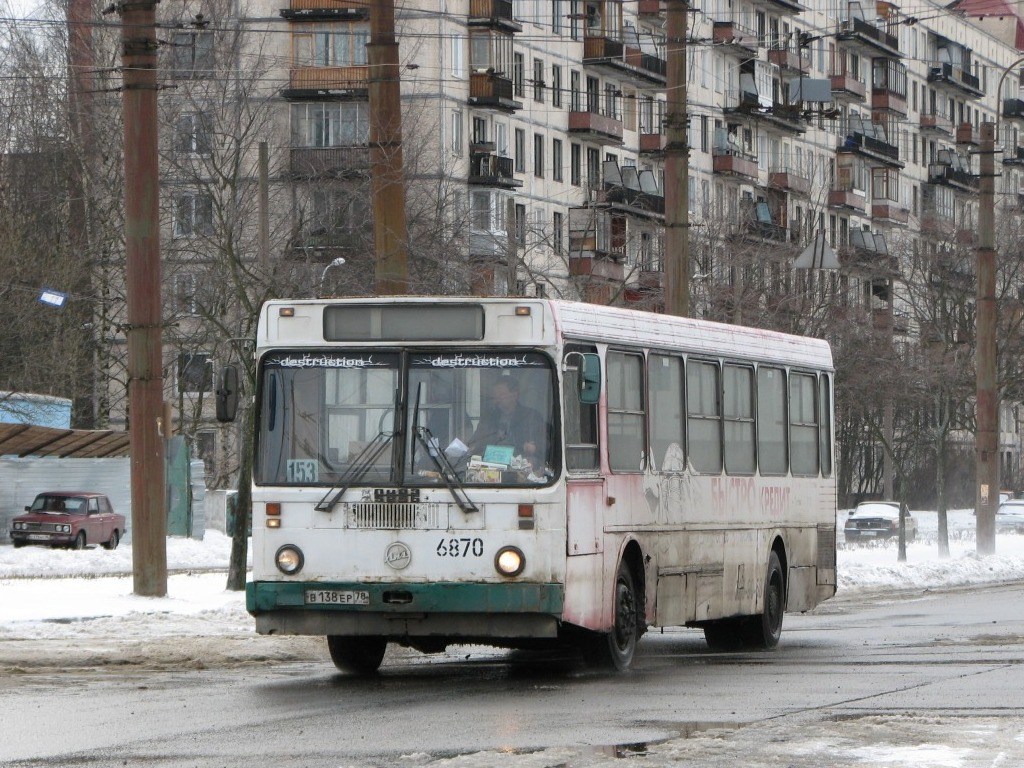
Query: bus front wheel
[615,649]
[764,630]
[357,655]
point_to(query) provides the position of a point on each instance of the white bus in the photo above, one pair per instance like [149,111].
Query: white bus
[514,472]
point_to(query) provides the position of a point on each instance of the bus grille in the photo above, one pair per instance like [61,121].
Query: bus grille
[826,546]
[394,515]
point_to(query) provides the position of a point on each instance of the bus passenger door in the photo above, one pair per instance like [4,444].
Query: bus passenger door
[585,489]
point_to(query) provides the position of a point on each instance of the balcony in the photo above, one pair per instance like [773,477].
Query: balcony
[651,9]
[884,100]
[652,143]
[890,211]
[596,127]
[631,192]
[329,162]
[788,181]
[782,7]
[937,123]
[869,140]
[491,170]
[946,77]
[487,89]
[735,38]
[868,254]
[953,171]
[317,82]
[967,134]
[729,161]
[617,59]
[1013,109]
[847,198]
[868,39]
[847,88]
[326,10]
[494,14]
[785,117]
[1013,156]
[789,58]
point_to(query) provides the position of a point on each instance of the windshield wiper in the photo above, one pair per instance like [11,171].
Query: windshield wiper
[437,456]
[361,464]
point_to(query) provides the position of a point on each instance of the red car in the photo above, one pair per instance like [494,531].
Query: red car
[69,519]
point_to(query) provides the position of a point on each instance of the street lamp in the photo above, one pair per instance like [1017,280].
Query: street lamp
[338,262]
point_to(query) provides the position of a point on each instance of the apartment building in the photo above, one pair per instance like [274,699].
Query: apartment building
[534,136]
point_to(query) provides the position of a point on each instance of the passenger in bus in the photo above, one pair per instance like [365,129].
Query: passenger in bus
[509,422]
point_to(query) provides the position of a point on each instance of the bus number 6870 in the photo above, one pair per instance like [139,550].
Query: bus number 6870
[460,547]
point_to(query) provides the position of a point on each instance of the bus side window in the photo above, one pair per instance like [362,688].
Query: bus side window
[626,412]
[704,416]
[738,410]
[581,445]
[772,447]
[803,424]
[665,377]
[825,425]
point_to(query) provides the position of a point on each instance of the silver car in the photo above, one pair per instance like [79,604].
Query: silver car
[873,520]
[1010,516]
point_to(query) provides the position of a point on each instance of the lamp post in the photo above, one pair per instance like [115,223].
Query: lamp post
[340,261]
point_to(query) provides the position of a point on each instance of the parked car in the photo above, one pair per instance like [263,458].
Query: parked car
[1010,516]
[69,519]
[872,520]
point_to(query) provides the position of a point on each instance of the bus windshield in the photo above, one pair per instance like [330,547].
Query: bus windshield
[489,415]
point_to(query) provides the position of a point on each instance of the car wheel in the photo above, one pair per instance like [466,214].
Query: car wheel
[357,655]
[114,540]
[764,630]
[19,544]
[615,649]
[79,541]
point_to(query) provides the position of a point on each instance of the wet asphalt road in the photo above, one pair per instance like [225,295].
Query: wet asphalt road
[932,669]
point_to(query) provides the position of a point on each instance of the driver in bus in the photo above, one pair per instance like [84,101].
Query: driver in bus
[509,422]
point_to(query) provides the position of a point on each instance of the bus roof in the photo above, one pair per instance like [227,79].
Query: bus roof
[576,321]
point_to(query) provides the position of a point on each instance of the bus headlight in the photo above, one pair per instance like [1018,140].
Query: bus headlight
[289,559]
[509,561]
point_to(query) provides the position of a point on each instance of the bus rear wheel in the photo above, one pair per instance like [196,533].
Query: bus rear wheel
[764,630]
[357,655]
[615,649]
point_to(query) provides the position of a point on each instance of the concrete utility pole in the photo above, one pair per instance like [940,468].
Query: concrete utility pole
[987,445]
[677,162]
[390,232]
[142,247]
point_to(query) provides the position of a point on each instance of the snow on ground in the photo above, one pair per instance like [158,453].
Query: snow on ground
[62,595]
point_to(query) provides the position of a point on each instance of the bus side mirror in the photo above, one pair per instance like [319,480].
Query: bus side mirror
[588,367]
[227,394]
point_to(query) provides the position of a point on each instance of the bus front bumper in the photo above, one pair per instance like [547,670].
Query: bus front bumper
[453,609]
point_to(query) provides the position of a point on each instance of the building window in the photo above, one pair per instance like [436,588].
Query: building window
[518,73]
[457,138]
[538,81]
[193,214]
[331,124]
[520,224]
[556,85]
[556,159]
[538,155]
[192,134]
[557,237]
[340,45]
[195,373]
[575,165]
[520,150]
[557,12]
[185,293]
[192,55]
[458,58]
[575,95]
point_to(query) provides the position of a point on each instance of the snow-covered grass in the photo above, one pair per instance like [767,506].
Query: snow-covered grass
[58,594]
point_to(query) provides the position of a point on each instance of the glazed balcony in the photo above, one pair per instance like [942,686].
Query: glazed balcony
[867,39]
[615,58]
[937,123]
[735,38]
[326,10]
[315,82]
[329,162]
[595,126]
[789,181]
[885,100]
[946,77]
[847,88]
[487,89]
[494,14]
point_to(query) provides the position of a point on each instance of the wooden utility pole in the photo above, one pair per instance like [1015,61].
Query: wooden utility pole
[677,161]
[390,232]
[987,445]
[142,249]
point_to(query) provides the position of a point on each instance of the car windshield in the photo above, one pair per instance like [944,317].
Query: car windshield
[876,509]
[491,413]
[73,505]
